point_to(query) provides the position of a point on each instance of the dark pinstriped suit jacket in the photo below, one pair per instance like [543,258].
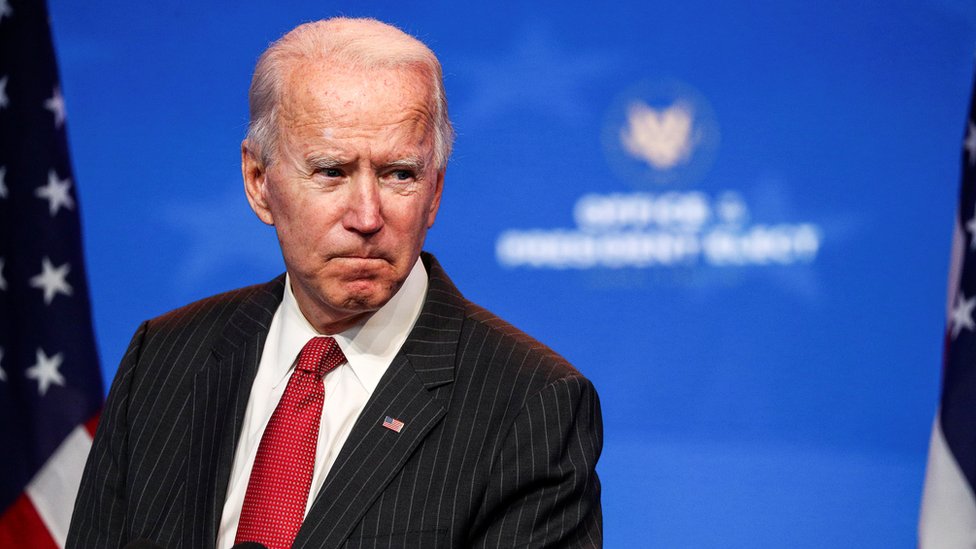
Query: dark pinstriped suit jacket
[499,448]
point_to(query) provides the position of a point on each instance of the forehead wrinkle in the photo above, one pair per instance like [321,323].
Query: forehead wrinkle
[391,111]
[304,89]
[333,126]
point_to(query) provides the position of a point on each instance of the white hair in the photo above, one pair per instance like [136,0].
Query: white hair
[363,43]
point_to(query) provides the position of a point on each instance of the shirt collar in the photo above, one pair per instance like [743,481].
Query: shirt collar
[370,345]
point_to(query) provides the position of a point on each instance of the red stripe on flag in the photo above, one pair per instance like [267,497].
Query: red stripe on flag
[21,526]
[92,424]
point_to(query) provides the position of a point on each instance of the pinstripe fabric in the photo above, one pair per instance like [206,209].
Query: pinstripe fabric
[499,446]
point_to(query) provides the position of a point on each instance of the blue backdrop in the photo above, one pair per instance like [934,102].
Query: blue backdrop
[733,217]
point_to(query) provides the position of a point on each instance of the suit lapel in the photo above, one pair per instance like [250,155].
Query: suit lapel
[374,454]
[220,392]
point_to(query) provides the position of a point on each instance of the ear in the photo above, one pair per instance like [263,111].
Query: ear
[436,202]
[255,182]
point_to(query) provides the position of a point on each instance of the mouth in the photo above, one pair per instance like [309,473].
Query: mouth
[359,257]
[361,264]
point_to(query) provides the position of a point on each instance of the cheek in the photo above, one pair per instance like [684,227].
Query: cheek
[296,222]
[409,219]
[292,208]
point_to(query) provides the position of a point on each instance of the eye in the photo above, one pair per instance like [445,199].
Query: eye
[331,172]
[403,175]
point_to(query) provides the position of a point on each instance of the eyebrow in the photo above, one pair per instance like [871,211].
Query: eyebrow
[323,162]
[414,163]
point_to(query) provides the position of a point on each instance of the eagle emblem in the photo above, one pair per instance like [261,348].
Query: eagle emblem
[662,138]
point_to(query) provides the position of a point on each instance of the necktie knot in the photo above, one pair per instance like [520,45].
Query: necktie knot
[320,356]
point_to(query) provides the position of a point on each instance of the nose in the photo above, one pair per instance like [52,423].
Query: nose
[364,213]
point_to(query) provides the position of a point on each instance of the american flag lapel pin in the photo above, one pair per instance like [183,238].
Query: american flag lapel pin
[393,424]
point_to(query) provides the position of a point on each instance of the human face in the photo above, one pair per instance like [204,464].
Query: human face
[352,190]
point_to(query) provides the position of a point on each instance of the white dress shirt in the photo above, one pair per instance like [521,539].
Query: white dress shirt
[369,348]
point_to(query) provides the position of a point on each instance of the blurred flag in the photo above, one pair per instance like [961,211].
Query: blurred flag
[948,515]
[50,385]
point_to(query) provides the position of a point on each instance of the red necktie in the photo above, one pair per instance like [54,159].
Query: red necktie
[274,504]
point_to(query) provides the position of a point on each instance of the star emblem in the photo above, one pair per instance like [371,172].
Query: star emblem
[3,281]
[5,9]
[45,371]
[56,192]
[3,373]
[4,191]
[4,100]
[962,315]
[970,143]
[56,105]
[971,227]
[52,280]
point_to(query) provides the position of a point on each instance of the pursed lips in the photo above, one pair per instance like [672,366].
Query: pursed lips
[365,258]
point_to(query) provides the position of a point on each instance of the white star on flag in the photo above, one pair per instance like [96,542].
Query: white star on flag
[56,105]
[971,227]
[970,143]
[3,281]
[4,100]
[46,371]
[52,280]
[3,374]
[3,184]
[962,315]
[56,192]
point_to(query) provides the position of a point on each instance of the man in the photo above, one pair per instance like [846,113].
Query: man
[422,420]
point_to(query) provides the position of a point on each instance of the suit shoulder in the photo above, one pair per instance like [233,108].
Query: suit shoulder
[217,310]
[512,352]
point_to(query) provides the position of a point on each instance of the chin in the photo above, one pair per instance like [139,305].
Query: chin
[358,303]
[369,298]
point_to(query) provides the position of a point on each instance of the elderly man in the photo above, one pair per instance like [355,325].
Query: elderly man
[358,400]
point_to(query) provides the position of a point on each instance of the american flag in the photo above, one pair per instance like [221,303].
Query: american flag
[393,424]
[50,385]
[948,515]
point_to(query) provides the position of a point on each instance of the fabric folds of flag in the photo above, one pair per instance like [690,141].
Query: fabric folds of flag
[50,385]
[948,514]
